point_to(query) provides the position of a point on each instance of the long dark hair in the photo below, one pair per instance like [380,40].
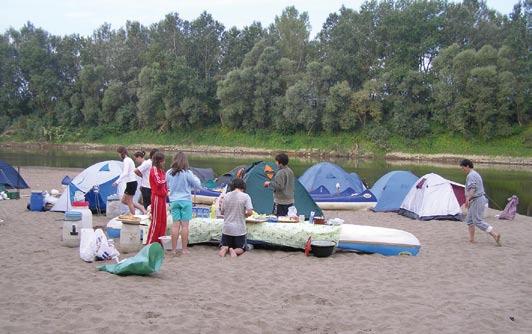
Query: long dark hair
[153,151]
[180,163]
[122,150]
[158,160]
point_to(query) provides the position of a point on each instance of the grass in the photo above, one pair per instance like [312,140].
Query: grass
[517,145]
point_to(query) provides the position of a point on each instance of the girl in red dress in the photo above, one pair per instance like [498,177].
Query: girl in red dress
[159,191]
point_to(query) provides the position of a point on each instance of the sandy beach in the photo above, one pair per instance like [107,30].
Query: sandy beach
[452,286]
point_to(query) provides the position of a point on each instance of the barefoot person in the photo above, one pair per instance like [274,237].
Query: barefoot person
[128,176]
[282,185]
[159,191]
[181,181]
[235,207]
[476,202]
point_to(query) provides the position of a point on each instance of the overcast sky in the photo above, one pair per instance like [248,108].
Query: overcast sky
[63,17]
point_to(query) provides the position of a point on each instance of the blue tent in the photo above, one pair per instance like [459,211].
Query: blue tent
[391,189]
[323,177]
[11,178]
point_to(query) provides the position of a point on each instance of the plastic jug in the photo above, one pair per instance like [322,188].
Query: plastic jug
[71,229]
[86,213]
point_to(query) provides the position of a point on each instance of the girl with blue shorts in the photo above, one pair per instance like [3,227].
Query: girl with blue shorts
[181,181]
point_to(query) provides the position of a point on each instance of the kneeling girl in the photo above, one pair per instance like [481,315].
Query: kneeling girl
[236,206]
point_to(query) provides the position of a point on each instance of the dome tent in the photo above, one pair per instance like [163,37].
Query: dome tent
[391,190]
[433,197]
[10,178]
[323,177]
[95,182]
[262,198]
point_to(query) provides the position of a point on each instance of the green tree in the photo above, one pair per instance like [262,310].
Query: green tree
[291,32]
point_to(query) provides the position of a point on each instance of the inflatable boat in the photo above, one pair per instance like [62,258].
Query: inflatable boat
[354,238]
[380,240]
[345,201]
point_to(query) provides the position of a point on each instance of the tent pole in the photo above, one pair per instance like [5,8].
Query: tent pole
[18,181]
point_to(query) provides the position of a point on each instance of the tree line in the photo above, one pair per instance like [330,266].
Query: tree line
[393,67]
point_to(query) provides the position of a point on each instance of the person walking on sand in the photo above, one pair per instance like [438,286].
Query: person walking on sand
[235,207]
[159,191]
[282,185]
[128,176]
[476,202]
[143,170]
[181,181]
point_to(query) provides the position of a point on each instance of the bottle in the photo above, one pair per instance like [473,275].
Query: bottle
[311,217]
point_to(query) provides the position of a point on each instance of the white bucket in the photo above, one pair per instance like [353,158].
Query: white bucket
[130,238]
[71,233]
[166,240]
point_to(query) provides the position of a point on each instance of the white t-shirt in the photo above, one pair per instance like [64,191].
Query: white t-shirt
[234,208]
[144,169]
[128,174]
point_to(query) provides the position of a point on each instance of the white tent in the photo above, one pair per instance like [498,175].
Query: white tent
[95,183]
[433,197]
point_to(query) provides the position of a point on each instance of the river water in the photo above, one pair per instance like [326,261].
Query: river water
[500,181]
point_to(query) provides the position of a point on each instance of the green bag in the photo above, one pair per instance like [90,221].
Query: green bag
[147,261]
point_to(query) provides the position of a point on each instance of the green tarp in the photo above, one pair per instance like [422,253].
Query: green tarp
[146,262]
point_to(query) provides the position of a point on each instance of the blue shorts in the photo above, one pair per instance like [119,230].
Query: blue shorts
[181,210]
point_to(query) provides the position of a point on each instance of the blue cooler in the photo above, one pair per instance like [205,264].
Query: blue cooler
[36,201]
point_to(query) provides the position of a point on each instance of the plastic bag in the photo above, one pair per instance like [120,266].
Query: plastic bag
[292,211]
[104,251]
[149,260]
[87,245]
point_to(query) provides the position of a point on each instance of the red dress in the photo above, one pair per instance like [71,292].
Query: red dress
[159,191]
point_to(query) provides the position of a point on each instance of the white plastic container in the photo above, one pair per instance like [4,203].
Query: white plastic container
[166,240]
[86,213]
[130,238]
[71,233]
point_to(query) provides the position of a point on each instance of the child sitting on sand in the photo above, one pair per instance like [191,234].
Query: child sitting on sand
[235,207]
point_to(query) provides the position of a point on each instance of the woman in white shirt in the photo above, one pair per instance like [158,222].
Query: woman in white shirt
[128,176]
[143,171]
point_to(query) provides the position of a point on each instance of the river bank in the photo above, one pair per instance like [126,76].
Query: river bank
[446,158]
